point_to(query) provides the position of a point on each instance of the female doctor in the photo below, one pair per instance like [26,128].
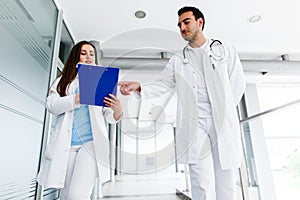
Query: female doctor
[78,149]
[209,82]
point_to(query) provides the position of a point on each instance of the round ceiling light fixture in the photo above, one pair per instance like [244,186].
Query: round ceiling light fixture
[254,19]
[140,14]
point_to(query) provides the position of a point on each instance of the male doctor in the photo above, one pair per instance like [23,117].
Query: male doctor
[209,82]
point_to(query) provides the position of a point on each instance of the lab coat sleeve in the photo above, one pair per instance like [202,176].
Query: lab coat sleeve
[56,104]
[164,84]
[236,76]
[108,114]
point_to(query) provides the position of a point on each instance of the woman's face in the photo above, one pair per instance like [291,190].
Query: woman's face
[87,54]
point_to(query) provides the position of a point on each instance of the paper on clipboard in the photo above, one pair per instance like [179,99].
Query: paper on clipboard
[96,82]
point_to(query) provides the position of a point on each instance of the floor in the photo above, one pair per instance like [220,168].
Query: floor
[146,187]
[155,186]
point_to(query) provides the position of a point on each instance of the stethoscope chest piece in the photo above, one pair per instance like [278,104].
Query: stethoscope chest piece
[185,60]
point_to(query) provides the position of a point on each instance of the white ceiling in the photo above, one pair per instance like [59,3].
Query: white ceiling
[114,25]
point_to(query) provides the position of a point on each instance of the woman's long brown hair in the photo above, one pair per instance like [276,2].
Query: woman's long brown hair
[70,71]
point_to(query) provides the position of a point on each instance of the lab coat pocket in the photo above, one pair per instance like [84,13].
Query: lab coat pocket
[50,148]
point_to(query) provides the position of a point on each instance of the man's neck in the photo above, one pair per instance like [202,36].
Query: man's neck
[197,43]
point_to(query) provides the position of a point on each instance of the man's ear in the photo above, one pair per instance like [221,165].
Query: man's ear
[200,22]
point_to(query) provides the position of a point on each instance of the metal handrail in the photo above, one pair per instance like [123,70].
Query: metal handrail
[242,169]
[269,111]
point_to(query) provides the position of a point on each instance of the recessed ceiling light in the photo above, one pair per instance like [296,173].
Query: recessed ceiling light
[254,19]
[140,14]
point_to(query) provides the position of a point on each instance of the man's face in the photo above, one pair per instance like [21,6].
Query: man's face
[189,26]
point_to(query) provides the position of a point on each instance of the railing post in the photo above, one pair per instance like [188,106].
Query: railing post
[187,180]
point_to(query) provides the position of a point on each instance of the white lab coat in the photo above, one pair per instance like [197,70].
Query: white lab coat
[55,160]
[225,86]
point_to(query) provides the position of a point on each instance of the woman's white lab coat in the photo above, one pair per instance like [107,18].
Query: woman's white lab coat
[55,160]
[225,85]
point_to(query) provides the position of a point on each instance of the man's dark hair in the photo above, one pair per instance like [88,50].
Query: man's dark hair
[196,12]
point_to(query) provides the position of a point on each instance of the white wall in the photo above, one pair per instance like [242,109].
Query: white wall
[23,87]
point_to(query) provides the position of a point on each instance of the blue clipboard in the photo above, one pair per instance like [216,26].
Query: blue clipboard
[96,82]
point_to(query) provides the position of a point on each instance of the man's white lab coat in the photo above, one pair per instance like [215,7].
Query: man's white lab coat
[225,86]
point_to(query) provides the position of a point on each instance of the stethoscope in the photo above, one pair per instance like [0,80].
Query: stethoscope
[217,52]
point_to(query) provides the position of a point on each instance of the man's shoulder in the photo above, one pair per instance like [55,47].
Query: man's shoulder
[176,56]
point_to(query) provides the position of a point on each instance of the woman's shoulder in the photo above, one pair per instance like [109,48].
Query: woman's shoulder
[56,81]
